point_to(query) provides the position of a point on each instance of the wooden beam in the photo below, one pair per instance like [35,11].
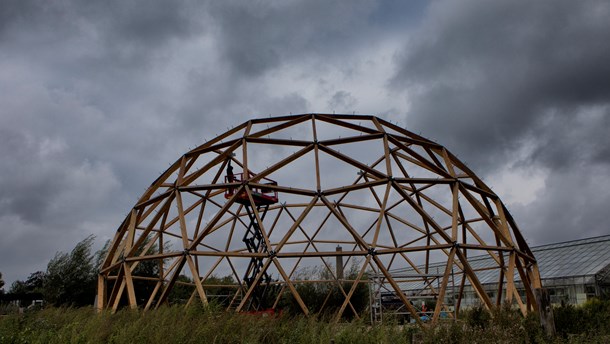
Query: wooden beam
[441,295]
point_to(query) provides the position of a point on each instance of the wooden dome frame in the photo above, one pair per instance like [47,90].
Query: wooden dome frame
[470,219]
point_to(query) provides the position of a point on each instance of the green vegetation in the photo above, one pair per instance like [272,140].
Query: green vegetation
[326,298]
[71,278]
[591,319]
[70,282]
[587,324]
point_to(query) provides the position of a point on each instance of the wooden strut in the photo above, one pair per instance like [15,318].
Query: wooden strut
[408,205]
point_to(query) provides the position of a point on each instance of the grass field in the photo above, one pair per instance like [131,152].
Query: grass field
[195,325]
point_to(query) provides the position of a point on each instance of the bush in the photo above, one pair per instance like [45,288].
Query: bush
[592,317]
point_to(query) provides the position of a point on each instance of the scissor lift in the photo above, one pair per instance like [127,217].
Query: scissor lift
[253,237]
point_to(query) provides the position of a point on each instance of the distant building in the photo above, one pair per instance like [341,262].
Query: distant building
[572,271]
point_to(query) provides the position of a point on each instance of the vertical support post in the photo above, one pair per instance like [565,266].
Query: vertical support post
[101,293]
[543,300]
[339,263]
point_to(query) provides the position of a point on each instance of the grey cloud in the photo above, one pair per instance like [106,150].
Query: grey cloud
[485,75]
[342,102]
[99,97]
[572,205]
[503,83]
[256,37]
[41,183]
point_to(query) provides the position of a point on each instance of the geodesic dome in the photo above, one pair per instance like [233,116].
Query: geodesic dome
[274,197]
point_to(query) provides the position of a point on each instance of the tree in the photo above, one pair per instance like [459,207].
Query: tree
[70,278]
[33,284]
[29,290]
[18,287]
[1,284]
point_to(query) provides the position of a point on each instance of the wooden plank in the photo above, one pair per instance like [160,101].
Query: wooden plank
[426,163]
[293,290]
[433,181]
[255,283]
[454,213]
[277,142]
[510,278]
[484,214]
[197,280]
[294,226]
[381,214]
[101,293]
[353,187]
[183,229]
[478,190]
[182,169]
[151,299]
[160,180]
[216,218]
[355,163]
[345,223]
[351,139]
[422,213]
[353,288]
[527,285]
[335,120]
[474,281]
[283,189]
[131,293]
[441,295]
[316,154]
[290,121]
[417,139]
[448,162]
[437,162]
[153,256]
[219,159]
[398,291]
[198,150]
[324,262]
[170,283]
[282,163]
[285,118]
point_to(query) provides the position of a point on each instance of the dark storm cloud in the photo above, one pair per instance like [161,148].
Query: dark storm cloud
[484,75]
[141,23]
[492,80]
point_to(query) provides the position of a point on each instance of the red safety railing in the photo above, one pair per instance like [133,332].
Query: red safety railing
[260,194]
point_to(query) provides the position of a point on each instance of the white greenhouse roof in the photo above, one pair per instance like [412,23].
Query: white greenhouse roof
[578,258]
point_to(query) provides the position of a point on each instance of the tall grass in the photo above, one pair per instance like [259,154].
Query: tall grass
[175,325]
[196,325]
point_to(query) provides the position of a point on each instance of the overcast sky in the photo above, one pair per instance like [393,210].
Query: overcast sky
[98,97]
